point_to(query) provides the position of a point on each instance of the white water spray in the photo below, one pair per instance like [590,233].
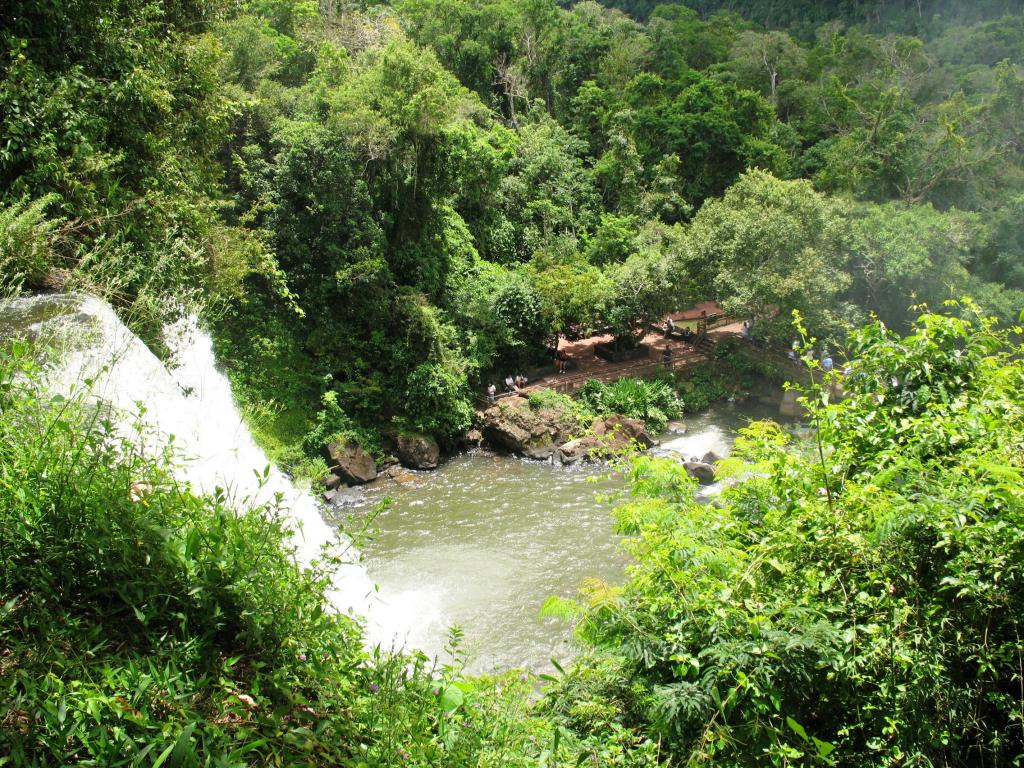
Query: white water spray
[191,405]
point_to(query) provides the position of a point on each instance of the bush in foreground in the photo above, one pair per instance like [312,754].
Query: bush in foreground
[852,602]
[141,624]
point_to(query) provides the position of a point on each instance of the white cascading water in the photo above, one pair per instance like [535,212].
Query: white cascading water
[191,404]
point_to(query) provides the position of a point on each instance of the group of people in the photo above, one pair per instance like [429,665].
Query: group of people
[686,334]
[512,384]
[827,363]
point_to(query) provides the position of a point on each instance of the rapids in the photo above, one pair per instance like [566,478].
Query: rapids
[484,540]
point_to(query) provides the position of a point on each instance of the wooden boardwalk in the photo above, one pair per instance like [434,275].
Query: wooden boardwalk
[684,356]
[585,365]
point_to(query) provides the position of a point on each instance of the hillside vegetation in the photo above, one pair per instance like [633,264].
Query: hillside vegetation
[377,207]
[383,207]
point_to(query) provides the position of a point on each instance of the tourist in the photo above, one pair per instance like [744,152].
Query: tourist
[666,357]
[745,330]
[492,392]
[510,383]
[561,360]
[792,355]
[670,328]
[826,361]
[687,333]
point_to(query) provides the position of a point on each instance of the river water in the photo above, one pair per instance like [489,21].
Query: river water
[484,540]
[481,542]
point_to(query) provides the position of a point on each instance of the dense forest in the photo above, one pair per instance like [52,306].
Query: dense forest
[380,207]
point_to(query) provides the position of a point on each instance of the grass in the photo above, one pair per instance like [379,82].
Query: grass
[142,624]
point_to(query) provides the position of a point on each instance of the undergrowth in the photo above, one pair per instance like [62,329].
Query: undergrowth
[142,624]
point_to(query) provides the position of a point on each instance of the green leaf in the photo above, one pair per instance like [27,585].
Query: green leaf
[452,698]
[824,748]
[796,728]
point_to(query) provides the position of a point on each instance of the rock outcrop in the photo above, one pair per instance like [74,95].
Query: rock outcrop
[513,426]
[350,462]
[622,431]
[417,451]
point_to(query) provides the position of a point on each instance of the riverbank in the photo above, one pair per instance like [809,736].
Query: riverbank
[485,539]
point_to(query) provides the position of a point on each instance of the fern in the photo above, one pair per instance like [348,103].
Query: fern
[27,239]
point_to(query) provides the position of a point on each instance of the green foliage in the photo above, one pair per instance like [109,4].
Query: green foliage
[827,611]
[576,409]
[699,387]
[772,245]
[905,255]
[436,402]
[26,244]
[652,401]
[145,624]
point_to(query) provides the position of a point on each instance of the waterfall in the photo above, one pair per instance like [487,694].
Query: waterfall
[189,404]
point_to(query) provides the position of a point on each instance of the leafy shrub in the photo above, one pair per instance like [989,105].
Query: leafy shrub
[26,242]
[142,624]
[858,604]
[737,354]
[437,402]
[652,401]
[700,388]
[549,400]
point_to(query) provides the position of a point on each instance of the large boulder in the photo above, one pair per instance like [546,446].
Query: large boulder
[513,426]
[622,431]
[350,462]
[701,472]
[417,451]
[608,435]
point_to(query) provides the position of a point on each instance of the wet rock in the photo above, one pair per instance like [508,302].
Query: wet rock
[330,495]
[711,458]
[676,428]
[609,435]
[350,462]
[701,472]
[540,452]
[330,482]
[622,431]
[789,406]
[580,449]
[418,451]
[473,438]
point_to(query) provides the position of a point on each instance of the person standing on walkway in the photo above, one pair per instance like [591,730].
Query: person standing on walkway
[666,357]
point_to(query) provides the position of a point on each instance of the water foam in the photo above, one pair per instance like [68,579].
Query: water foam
[190,404]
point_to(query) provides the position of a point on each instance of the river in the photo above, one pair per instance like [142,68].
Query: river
[484,540]
[480,542]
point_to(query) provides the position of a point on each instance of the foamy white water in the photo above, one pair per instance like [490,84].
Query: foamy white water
[190,405]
